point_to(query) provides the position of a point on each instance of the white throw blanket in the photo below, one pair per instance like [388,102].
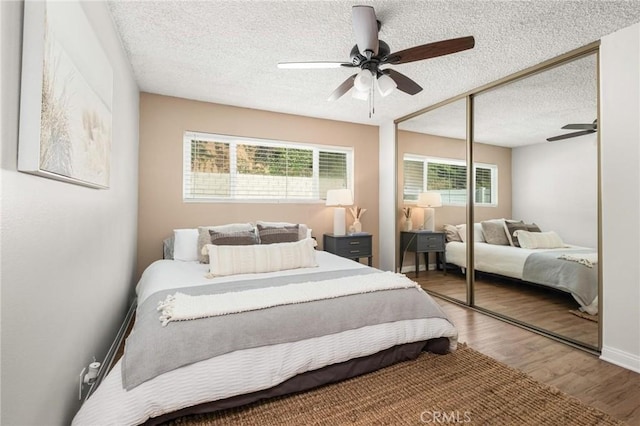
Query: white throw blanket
[182,307]
[588,259]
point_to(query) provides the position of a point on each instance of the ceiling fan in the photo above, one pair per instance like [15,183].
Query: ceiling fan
[585,129]
[370,54]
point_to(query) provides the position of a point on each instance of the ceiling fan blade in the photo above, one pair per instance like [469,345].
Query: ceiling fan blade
[570,135]
[343,88]
[365,28]
[313,65]
[404,83]
[589,126]
[430,50]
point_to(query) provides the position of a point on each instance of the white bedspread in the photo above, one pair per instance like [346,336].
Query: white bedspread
[242,371]
[495,259]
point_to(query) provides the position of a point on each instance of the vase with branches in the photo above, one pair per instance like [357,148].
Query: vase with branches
[408,224]
[357,213]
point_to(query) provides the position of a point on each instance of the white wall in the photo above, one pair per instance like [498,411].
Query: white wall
[387,234]
[555,185]
[68,252]
[620,138]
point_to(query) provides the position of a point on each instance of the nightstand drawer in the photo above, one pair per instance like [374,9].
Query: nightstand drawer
[354,244]
[430,242]
[349,246]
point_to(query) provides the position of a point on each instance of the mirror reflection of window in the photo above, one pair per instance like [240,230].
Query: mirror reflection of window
[432,160]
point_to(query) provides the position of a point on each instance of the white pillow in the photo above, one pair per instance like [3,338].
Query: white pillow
[185,245]
[478,236]
[303,230]
[232,260]
[538,240]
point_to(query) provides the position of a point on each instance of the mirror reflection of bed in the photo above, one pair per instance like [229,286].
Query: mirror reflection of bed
[546,191]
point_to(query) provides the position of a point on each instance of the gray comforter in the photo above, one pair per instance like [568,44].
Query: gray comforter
[152,349]
[571,277]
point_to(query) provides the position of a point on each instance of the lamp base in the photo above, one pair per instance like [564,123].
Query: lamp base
[338,221]
[429,219]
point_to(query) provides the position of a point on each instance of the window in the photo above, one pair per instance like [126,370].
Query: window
[449,177]
[220,167]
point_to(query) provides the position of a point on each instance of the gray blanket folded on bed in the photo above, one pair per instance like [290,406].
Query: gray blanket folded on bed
[571,277]
[152,350]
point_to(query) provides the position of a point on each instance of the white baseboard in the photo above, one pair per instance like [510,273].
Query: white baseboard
[621,358]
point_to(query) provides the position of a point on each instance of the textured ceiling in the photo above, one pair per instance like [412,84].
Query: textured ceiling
[226,51]
[525,112]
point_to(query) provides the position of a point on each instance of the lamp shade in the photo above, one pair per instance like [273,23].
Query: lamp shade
[363,80]
[386,85]
[339,197]
[429,199]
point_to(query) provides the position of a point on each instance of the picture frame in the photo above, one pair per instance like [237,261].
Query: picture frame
[66,97]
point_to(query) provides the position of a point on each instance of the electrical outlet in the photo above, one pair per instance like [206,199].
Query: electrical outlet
[80,382]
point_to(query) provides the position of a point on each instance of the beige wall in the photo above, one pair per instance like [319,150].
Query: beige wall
[163,121]
[437,146]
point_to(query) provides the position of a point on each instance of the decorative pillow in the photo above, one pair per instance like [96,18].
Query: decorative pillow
[238,238]
[185,245]
[532,227]
[477,233]
[273,235]
[538,240]
[493,231]
[303,230]
[451,232]
[462,232]
[232,260]
[204,238]
[510,227]
[167,248]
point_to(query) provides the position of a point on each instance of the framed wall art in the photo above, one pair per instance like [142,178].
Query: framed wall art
[66,95]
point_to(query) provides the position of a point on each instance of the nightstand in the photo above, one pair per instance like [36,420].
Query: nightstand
[352,246]
[423,242]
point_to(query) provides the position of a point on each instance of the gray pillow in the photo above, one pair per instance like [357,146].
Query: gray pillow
[513,227]
[167,248]
[494,233]
[274,235]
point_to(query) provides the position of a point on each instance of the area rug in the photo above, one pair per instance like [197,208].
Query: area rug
[584,315]
[464,387]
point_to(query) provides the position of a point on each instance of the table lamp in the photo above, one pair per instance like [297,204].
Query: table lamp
[339,198]
[429,200]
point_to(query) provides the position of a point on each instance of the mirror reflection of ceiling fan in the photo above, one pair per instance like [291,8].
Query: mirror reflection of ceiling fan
[370,54]
[585,130]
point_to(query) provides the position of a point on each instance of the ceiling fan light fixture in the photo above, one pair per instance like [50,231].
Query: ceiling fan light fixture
[386,85]
[363,81]
[360,95]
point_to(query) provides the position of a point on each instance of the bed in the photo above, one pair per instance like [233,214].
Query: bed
[169,370]
[559,268]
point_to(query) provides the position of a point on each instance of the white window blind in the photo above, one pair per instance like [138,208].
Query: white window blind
[218,167]
[449,178]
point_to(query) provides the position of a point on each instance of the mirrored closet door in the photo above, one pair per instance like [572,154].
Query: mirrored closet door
[536,154]
[527,146]
[432,199]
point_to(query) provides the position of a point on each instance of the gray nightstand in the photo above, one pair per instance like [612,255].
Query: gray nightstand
[349,246]
[423,242]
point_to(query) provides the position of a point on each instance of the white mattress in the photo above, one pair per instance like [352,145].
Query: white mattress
[246,370]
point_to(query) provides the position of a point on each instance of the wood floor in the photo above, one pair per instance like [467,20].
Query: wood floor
[543,307]
[605,386]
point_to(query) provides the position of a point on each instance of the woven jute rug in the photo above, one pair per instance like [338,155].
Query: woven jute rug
[464,387]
